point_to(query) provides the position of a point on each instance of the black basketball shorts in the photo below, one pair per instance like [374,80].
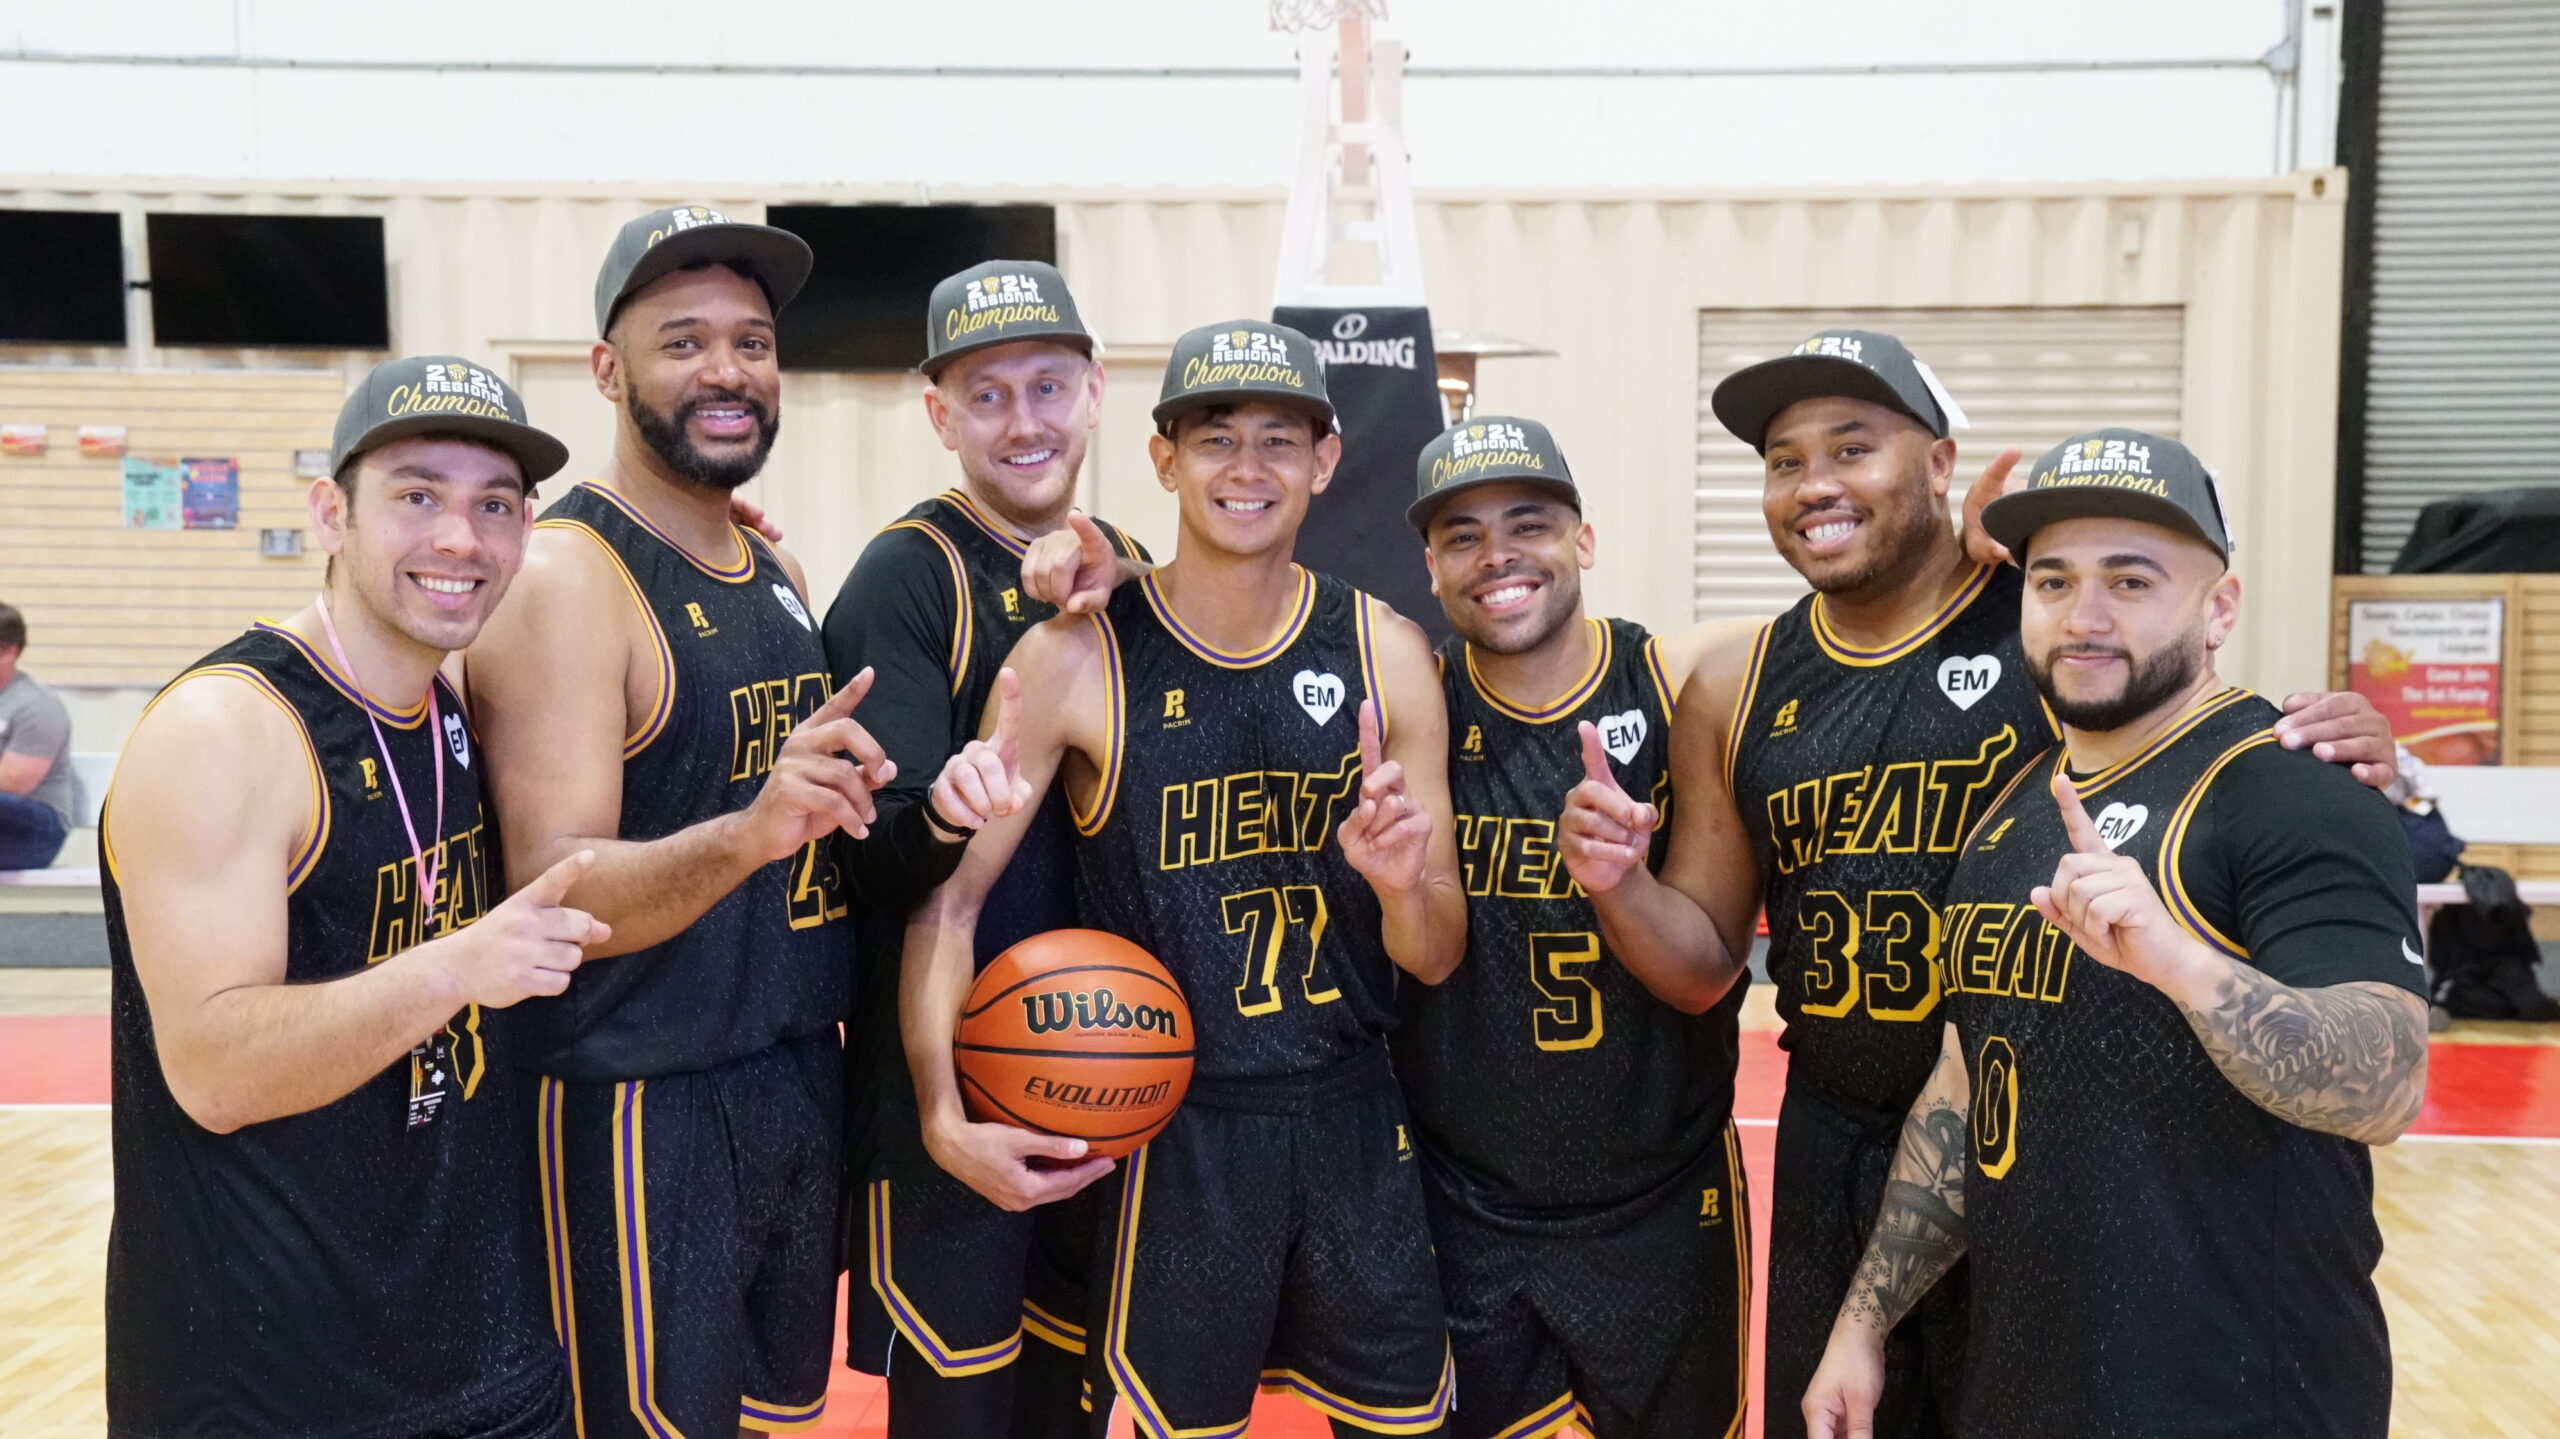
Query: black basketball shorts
[1639,1332]
[1273,1237]
[690,1223]
[1825,1189]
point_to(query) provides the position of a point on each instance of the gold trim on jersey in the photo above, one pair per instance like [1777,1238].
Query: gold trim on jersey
[956,664]
[631,1240]
[951,1361]
[314,835]
[1663,684]
[345,683]
[1544,1422]
[1268,651]
[555,1242]
[959,500]
[1369,669]
[1116,708]
[743,570]
[1741,1226]
[1743,701]
[1603,643]
[1420,1418]
[2173,886]
[766,1417]
[641,738]
[2000,799]
[1848,654]
[2196,714]
[1049,1329]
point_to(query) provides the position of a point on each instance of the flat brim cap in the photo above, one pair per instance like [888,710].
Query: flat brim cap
[1487,450]
[664,241]
[1240,360]
[1842,364]
[999,303]
[2114,474]
[442,395]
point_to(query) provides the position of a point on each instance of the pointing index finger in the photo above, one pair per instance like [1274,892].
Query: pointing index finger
[842,702]
[553,884]
[1373,751]
[2085,838]
[1595,759]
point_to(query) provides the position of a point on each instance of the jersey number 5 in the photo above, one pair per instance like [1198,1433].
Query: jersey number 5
[1886,957]
[1267,918]
[1570,1019]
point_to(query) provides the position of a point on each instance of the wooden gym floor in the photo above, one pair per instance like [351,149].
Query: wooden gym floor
[2469,1204]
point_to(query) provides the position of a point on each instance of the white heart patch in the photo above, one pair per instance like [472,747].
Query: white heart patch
[1319,695]
[2120,822]
[458,739]
[1622,735]
[791,602]
[1966,681]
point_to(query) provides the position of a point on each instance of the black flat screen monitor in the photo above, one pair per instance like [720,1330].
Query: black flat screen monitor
[61,277]
[290,281]
[864,305]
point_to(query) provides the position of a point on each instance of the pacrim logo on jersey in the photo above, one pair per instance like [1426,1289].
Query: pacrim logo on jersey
[1050,1011]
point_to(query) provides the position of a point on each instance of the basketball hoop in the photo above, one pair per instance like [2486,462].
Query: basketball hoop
[1292,16]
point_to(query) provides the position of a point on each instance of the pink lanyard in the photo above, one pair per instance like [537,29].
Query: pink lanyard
[435,742]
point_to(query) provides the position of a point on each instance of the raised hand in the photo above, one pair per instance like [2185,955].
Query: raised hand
[1073,568]
[2343,728]
[1978,544]
[530,943]
[822,779]
[983,782]
[2104,903]
[1604,832]
[1388,837]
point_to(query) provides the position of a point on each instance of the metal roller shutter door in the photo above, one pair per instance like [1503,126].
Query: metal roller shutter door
[2029,377]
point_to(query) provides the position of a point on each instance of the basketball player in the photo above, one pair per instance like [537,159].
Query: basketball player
[1850,744]
[2170,1031]
[947,1284]
[1574,1107]
[658,694]
[1253,758]
[324,1221]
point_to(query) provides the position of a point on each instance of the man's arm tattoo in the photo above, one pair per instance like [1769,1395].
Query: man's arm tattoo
[1920,1231]
[2348,1059]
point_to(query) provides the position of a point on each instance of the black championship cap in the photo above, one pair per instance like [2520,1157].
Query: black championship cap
[998,303]
[1485,451]
[2124,474]
[1242,360]
[1842,364]
[665,241]
[442,395]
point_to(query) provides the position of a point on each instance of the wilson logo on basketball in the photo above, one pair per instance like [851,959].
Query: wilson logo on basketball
[1101,1009]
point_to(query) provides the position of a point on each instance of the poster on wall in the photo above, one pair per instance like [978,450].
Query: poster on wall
[2432,668]
[212,494]
[151,499]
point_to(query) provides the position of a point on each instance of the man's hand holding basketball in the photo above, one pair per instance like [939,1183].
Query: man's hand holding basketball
[1388,837]
[1604,833]
[1014,1169]
[529,944]
[2104,903]
[983,782]
[821,779]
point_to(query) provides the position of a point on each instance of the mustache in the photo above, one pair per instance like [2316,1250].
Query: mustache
[2113,652]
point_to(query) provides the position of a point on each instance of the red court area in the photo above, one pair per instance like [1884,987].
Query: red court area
[2481,1091]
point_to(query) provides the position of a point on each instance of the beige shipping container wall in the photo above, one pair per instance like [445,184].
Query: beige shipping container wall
[1614,283]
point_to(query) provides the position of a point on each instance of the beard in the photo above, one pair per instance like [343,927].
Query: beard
[666,438]
[1912,528]
[2149,683]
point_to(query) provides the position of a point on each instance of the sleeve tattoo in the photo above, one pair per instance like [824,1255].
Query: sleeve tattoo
[2347,1059]
[1920,1231]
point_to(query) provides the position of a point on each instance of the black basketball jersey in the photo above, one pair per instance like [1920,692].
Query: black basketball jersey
[990,614]
[372,1266]
[1211,844]
[739,664]
[1552,1091]
[2152,1252]
[1857,774]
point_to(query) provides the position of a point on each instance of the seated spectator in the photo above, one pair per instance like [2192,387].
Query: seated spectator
[35,758]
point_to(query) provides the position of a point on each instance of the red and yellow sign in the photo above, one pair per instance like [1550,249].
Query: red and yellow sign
[2433,668]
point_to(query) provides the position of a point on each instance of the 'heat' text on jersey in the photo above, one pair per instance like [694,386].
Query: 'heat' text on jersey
[1899,809]
[761,717]
[1267,811]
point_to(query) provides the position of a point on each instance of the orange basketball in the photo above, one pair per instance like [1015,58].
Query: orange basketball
[1076,1032]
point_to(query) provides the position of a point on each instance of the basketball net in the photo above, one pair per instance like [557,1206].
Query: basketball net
[1349,239]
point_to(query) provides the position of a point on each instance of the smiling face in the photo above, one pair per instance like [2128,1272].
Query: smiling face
[426,534]
[1854,493]
[2121,618]
[1019,417]
[691,361]
[1245,473]
[1507,561]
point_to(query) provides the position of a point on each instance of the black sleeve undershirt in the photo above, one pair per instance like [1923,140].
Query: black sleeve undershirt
[2308,870]
[896,613]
